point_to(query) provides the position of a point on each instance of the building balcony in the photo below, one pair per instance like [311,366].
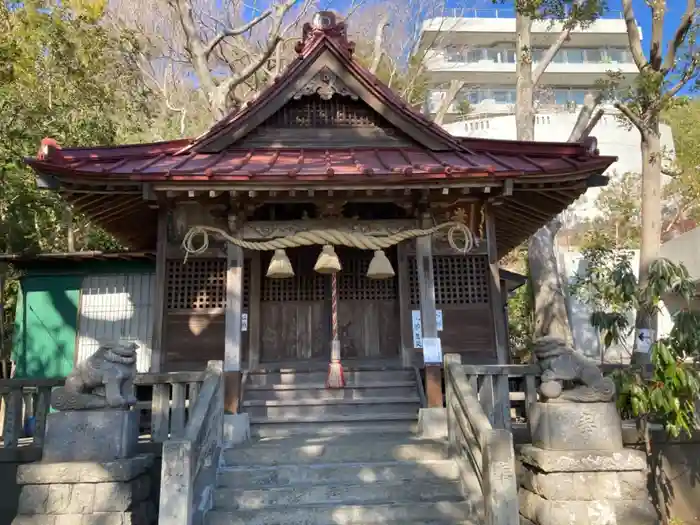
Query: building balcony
[492,26]
[439,69]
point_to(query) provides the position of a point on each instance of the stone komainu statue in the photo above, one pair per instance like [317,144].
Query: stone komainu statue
[561,364]
[103,380]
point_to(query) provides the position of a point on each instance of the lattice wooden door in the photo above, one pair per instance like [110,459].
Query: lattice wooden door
[368,309]
[195,305]
[462,294]
[295,317]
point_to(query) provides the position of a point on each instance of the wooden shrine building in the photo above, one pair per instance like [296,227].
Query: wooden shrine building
[326,146]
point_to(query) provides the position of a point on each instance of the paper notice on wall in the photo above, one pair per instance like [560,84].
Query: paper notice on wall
[645,338]
[417,328]
[432,350]
[244,322]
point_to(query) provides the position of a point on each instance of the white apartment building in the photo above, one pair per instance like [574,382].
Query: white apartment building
[478,47]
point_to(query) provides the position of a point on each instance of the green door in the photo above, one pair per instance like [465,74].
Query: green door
[46,325]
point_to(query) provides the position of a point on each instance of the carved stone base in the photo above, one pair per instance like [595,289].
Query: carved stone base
[88,493]
[584,487]
[91,435]
[576,426]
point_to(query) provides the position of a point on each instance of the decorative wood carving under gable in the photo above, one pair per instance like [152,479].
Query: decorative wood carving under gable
[325,113]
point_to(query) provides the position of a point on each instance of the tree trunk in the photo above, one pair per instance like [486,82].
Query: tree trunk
[646,322]
[551,317]
[525,103]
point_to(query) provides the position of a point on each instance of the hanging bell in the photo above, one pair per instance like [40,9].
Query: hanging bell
[327,261]
[280,267]
[380,266]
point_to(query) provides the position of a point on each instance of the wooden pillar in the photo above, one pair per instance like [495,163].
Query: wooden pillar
[232,334]
[254,321]
[495,295]
[501,389]
[404,306]
[432,352]
[159,292]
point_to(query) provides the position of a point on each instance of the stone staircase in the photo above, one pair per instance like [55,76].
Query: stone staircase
[345,457]
[290,402]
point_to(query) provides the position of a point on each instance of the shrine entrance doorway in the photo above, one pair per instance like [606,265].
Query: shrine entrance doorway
[295,313]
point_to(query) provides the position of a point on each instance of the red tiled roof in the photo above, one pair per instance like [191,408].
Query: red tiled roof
[161,162]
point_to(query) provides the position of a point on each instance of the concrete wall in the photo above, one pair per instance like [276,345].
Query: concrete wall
[571,264]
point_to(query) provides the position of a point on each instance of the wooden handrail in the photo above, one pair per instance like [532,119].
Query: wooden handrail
[174,395]
[488,450]
[190,460]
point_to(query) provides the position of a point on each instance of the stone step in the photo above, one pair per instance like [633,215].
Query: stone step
[436,512]
[362,451]
[354,377]
[396,492]
[333,428]
[319,391]
[332,407]
[257,476]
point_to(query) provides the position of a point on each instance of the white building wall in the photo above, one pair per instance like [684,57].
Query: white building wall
[117,306]
[586,341]
[614,137]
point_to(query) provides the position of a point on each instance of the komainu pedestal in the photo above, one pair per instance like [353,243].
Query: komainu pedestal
[577,472]
[89,473]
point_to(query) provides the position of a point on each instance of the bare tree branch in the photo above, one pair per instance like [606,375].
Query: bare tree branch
[454,89]
[550,54]
[685,78]
[235,31]
[274,38]
[679,37]
[585,116]
[378,50]
[195,46]
[634,119]
[635,39]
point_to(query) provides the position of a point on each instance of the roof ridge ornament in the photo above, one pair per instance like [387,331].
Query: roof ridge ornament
[324,24]
[325,83]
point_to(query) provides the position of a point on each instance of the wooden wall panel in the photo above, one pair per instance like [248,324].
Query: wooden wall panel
[369,329]
[462,293]
[195,300]
[294,330]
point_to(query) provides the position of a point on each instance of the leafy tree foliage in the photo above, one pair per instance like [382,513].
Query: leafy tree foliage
[665,391]
[64,76]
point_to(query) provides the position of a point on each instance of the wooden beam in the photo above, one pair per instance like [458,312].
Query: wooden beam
[159,311]
[254,321]
[232,330]
[431,341]
[501,393]
[404,306]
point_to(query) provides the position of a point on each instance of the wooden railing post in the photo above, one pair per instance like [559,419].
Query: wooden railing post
[176,489]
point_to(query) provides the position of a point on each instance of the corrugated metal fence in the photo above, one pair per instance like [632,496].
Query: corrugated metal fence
[117,306]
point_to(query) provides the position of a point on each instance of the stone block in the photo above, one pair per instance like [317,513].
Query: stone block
[68,519]
[542,511]
[33,499]
[84,471]
[575,426]
[90,435]
[236,428]
[36,519]
[432,423]
[120,496]
[582,460]
[585,486]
